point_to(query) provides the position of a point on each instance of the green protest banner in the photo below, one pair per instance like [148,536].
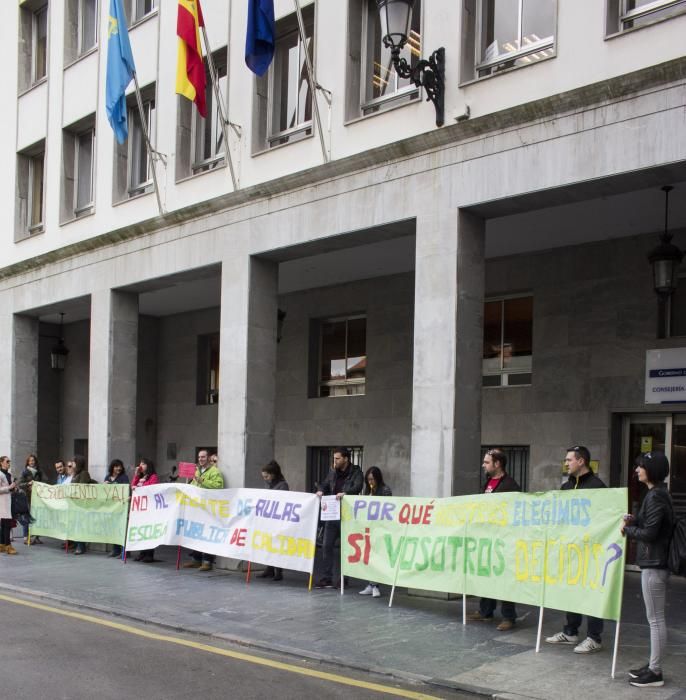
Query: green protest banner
[559,549]
[81,512]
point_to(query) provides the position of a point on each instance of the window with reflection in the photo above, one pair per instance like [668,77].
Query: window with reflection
[508,336]
[208,134]
[380,81]
[343,356]
[640,13]
[40,44]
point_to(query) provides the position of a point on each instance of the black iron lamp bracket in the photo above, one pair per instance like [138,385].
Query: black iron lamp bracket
[428,74]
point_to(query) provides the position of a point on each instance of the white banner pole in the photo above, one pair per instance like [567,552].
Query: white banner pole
[614,654]
[540,629]
[464,608]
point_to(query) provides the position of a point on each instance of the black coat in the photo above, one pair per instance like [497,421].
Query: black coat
[585,481]
[505,485]
[354,481]
[279,485]
[652,529]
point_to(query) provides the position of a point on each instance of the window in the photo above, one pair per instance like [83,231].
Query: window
[30,191]
[78,153]
[136,10]
[39,52]
[342,356]
[623,15]
[503,35]
[200,142]
[508,331]
[320,461]
[133,163]
[80,28]
[283,99]
[208,369]
[517,463]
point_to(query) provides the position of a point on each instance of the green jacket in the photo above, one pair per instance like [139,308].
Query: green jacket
[211,478]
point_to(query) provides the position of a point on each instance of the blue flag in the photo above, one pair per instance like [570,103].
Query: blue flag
[120,70]
[260,37]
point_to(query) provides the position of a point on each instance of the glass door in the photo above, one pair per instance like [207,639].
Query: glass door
[677,464]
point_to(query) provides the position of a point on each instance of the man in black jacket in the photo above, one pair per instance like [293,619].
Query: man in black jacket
[578,461]
[345,479]
[499,481]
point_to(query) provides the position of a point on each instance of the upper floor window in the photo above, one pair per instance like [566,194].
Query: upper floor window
[502,35]
[623,15]
[33,43]
[200,142]
[40,44]
[508,340]
[343,356]
[136,10]
[133,163]
[80,28]
[284,99]
[78,172]
[30,191]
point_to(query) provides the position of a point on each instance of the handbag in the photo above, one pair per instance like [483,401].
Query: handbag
[20,504]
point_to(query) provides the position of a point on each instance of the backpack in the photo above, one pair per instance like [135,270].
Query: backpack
[676,560]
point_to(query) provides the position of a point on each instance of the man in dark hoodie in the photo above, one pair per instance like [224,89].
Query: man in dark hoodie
[345,479]
[578,463]
[498,480]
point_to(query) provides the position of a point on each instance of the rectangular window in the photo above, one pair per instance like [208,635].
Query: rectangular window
[39,52]
[87,25]
[85,143]
[140,163]
[380,81]
[208,135]
[208,369]
[343,356]
[138,9]
[78,169]
[508,336]
[640,13]
[30,191]
[320,462]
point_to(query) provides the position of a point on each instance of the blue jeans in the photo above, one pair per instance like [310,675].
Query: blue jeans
[654,586]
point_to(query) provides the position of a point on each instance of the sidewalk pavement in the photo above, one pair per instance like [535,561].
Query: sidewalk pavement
[418,638]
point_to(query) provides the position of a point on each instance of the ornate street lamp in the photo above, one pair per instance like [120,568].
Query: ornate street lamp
[665,259]
[59,352]
[396,16]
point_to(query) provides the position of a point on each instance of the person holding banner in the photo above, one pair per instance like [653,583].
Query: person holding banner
[145,476]
[275,480]
[374,485]
[81,476]
[30,473]
[344,479]
[207,476]
[652,529]
[7,486]
[499,481]
[578,464]
[116,475]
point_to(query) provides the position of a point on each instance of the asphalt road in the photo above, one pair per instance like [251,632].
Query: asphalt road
[56,653]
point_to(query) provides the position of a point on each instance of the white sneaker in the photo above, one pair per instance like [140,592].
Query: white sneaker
[562,638]
[588,646]
[376,593]
[369,590]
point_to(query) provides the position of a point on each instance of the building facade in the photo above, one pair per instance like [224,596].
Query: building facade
[416,293]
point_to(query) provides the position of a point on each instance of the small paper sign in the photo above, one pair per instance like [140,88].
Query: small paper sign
[331,508]
[186,470]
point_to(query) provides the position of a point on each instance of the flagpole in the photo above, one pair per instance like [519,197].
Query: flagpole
[220,106]
[151,151]
[310,79]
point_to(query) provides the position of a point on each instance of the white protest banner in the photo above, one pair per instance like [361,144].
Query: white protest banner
[277,528]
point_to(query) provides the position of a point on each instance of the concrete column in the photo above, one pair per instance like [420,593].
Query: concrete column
[448,343]
[113,379]
[24,403]
[247,368]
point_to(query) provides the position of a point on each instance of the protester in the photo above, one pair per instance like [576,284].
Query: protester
[116,474]
[344,479]
[275,480]
[578,463]
[652,529]
[7,486]
[80,476]
[207,476]
[214,460]
[374,485]
[29,474]
[61,471]
[145,476]
[498,481]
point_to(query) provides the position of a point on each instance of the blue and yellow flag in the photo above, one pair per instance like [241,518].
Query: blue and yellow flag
[120,70]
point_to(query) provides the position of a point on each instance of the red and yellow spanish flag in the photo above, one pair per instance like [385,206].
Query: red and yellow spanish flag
[190,69]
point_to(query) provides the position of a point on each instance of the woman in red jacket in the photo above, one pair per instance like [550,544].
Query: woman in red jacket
[145,476]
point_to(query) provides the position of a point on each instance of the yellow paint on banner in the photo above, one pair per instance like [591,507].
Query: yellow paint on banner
[240,656]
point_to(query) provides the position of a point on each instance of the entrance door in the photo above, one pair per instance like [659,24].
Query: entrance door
[677,464]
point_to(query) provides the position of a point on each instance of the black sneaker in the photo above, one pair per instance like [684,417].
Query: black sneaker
[324,583]
[636,672]
[649,679]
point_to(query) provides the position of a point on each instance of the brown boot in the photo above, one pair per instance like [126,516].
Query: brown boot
[10,549]
[3,548]
[191,565]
